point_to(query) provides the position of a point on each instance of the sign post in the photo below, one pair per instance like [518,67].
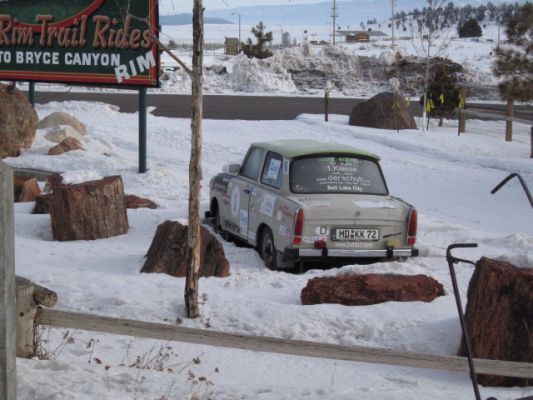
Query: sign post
[142,130]
[8,341]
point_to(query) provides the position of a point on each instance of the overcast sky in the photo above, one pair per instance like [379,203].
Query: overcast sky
[185,6]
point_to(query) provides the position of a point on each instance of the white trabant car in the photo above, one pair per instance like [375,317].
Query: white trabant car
[301,201]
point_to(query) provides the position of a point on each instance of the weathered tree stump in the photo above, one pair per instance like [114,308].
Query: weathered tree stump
[169,251]
[499,316]
[42,204]
[26,189]
[366,289]
[88,211]
[135,202]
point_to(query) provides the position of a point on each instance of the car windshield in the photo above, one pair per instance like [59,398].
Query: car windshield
[337,174]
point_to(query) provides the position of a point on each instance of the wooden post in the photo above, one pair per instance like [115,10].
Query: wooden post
[8,361]
[26,311]
[326,106]
[531,154]
[509,121]
[462,112]
[195,168]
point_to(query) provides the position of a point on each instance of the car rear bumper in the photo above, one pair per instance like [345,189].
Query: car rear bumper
[341,253]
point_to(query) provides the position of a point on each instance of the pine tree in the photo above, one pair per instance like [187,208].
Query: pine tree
[442,94]
[258,50]
[515,64]
[470,28]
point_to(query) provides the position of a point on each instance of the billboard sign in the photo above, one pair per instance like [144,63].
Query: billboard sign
[101,42]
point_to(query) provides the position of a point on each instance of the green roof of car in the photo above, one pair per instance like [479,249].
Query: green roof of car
[293,148]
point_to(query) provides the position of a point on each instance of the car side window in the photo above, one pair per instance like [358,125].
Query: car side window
[252,164]
[272,171]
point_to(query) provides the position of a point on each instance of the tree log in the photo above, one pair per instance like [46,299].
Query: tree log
[499,316]
[88,211]
[26,189]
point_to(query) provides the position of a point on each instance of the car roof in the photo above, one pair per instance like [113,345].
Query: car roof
[292,148]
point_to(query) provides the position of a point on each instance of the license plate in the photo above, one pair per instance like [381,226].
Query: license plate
[355,234]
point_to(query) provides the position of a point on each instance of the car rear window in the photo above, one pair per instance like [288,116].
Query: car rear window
[337,174]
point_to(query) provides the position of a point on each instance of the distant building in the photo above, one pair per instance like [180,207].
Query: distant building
[286,39]
[231,46]
[352,36]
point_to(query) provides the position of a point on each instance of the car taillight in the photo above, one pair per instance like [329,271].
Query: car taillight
[411,227]
[298,227]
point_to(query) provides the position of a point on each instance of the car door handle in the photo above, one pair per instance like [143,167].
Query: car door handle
[247,191]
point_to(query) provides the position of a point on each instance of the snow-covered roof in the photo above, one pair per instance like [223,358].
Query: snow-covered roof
[369,33]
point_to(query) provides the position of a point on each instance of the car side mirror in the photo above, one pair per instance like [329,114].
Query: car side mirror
[233,169]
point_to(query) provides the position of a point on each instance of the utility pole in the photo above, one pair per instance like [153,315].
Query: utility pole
[392,22]
[334,15]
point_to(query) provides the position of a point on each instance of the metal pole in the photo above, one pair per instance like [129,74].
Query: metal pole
[392,22]
[31,93]
[239,48]
[142,130]
[451,260]
[8,341]
[334,20]
[326,106]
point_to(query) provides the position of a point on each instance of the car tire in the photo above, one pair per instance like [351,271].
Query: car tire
[267,249]
[218,225]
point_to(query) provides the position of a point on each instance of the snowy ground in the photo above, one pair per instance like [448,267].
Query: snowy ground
[448,178]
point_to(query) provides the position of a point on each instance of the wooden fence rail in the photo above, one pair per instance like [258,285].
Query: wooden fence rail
[168,332]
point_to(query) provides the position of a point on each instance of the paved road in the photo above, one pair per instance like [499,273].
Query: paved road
[234,107]
[215,106]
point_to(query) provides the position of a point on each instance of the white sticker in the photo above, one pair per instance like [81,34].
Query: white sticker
[279,215]
[285,167]
[267,205]
[284,231]
[235,201]
[243,222]
[321,230]
[273,169]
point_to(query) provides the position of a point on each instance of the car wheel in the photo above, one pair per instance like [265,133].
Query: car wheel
[267,249]
[218,225]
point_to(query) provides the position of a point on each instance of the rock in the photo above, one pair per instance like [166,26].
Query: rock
[499,316]
[362,290]
[217,69]
[168,252]
[133,201]
[60,133]
[18,121]
[42,204]
[26,189]
[61,118]
[385,111]
[66,145]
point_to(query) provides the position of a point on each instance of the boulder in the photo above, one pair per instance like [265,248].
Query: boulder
[62,132]
[26,189]
[169,251]
[66,145]
[18,121]
[61,118]
[499,316]
[385,111]
[362,290]
[133,202]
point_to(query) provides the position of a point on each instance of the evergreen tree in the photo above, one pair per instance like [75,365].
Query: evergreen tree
[515,64]
[442,94]
[258,50]
[470,28]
